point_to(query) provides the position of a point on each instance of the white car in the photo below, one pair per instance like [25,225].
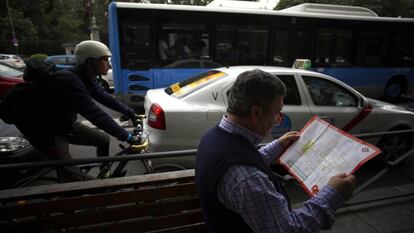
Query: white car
[13,60]
[177,116]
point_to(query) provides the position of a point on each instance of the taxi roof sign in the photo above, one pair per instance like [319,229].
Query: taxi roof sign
[302,64]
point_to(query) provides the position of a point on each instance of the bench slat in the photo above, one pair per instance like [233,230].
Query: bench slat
[194,228]
[106,215]
[94,186]
[156,203]
[94,201]
[166,223]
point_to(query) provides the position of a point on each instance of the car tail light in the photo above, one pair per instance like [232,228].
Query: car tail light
[156,117]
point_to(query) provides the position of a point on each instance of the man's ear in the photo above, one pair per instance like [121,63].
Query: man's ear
[92,62]
[89,61]
[255,112]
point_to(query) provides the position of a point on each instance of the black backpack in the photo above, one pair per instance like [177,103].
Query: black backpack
[24,103]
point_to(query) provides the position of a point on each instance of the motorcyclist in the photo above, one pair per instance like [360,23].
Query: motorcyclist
[75,91]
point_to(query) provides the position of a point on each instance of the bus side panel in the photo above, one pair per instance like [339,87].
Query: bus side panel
[136,84]
[368,80]
[113,32]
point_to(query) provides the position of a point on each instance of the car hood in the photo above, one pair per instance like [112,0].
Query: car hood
[381,105]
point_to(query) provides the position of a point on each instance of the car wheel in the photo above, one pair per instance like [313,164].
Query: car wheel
[393,147]
[104,84]
[17,150]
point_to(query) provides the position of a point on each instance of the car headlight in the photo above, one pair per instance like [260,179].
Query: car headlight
[11,144]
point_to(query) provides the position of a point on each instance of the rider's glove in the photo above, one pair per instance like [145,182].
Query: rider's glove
[133,140]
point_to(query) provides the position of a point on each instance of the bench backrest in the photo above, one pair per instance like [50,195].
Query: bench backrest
[164,202]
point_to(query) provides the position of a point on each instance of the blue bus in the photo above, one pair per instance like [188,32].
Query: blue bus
[156,45]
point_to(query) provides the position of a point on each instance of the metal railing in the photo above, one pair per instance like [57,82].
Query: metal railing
[129,157]
[167,154]
[192,152]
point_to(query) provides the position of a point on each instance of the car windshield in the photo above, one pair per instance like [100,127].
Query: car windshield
[192,84]
[9,72]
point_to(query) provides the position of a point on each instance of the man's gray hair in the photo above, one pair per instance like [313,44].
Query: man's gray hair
[255,87]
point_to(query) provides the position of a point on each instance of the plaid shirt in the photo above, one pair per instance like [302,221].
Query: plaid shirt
[250,193]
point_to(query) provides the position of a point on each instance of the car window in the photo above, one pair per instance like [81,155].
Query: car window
[326,93]
[71,61]
[59,60]
[5,57]
[292,93]
[190,85]
[9,72]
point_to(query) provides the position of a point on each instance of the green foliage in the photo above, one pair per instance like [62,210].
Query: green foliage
[44,26]
[40,56]
[24,29]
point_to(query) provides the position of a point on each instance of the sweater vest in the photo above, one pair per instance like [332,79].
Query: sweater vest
[217,151]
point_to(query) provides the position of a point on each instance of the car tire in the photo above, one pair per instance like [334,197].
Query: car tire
[393,147]
[26,154]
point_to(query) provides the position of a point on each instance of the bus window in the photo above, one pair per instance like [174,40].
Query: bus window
[238,44]
[343,48]
[136,46]
[324,47]
[333,48]
[135,34]
[372,48]
[403,50]
[178,41]
[303,45]
[281,47]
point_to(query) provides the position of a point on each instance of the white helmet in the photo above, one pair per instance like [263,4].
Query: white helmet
[90,48]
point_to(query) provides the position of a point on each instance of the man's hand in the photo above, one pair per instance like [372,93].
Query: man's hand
[287,138]
[344,184]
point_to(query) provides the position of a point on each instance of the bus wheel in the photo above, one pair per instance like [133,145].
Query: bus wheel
[393,147]
[394,89]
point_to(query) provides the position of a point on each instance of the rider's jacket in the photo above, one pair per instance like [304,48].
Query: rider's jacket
[72,92]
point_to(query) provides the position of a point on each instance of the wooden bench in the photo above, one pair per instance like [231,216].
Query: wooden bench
[163,202]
